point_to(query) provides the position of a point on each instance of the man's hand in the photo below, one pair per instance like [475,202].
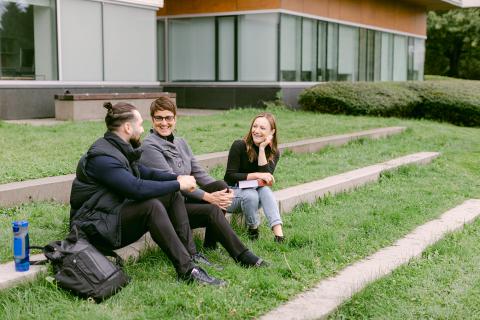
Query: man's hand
[222,198]
[187,183]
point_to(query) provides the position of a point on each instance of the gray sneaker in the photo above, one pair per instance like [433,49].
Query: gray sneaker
[200,258]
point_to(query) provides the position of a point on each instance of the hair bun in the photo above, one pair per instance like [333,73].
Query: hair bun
[108,106]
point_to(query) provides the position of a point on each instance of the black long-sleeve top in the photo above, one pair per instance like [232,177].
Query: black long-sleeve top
[152,183]
[238,165]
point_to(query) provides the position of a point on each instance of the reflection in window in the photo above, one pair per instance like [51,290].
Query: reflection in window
[321,51]
[332,52]
[192,49]
[386,73]
[418,59]
[258,49]
[309,48]
[161,49]
[290,42]
[27,40]
[226,48]
[347,53]
[400,58]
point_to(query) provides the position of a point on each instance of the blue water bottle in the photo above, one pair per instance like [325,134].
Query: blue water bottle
[20,245]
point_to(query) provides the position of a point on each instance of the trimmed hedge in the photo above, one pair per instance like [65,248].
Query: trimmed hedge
[454,101]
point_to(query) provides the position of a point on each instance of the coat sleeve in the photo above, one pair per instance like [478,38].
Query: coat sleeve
[112,174]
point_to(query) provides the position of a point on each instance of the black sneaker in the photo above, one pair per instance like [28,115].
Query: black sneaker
[249,260]
[200,258]
[199,275]
[279,239]
[253,234]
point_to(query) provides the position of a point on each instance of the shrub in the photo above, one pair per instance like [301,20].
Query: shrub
[454,101]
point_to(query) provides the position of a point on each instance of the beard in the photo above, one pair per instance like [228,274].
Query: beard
[135,142]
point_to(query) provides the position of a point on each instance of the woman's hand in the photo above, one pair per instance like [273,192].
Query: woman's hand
[268,141]
[222,198]
[187,183]
[266,176]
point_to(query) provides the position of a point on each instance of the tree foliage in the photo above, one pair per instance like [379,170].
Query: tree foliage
[453,43]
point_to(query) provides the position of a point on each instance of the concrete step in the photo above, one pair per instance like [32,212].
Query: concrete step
[309,192]
[329,294]
[58,188]
[287,199]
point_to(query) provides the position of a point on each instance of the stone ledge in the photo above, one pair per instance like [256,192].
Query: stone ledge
[287,199]
[309,192]
[330,293]
[58,188]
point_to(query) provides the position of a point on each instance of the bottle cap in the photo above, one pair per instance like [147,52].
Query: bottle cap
[22,223]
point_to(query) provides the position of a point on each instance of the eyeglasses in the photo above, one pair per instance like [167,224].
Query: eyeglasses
[160,118]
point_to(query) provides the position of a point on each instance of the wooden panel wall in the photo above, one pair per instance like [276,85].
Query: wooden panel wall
[394,15]
[176,7]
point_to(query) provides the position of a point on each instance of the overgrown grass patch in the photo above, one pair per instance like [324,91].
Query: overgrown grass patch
[30,152]
[443,284]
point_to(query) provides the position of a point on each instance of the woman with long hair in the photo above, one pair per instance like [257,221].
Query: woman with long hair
[255,158]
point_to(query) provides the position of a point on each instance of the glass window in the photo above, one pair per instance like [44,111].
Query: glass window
[309,49]
[332,52]
[258,47]
[386,73]
[290,46]
[347,53]
[418,59]
[192,49]
[130,52]
[27,40]
[161,49]
[416,56]
[321,51]
[370,54]
[378,56]
[81,47]
[226,48]
[366,68]
[400,58]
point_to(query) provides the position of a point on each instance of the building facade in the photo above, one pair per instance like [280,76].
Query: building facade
[215,54]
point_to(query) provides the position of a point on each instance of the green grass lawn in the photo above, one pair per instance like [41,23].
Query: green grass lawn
[30,152]
[322,238]
[443,284]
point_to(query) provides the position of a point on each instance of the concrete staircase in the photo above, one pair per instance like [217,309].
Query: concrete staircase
[58,188]
[287,199]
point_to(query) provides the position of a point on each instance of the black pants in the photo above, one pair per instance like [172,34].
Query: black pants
[138,217]
[203,214]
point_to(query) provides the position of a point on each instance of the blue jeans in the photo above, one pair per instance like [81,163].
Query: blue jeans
[250,200]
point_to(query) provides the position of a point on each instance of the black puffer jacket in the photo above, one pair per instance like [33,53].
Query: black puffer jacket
[94,209]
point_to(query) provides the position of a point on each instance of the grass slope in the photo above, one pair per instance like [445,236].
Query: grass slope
[322,238]
[443,284]
[30,152]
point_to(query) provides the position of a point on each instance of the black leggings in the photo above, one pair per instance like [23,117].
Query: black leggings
[138,217]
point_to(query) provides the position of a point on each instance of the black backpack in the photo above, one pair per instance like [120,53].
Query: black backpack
[82,269]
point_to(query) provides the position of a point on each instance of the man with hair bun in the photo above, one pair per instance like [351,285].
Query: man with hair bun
[114,200]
